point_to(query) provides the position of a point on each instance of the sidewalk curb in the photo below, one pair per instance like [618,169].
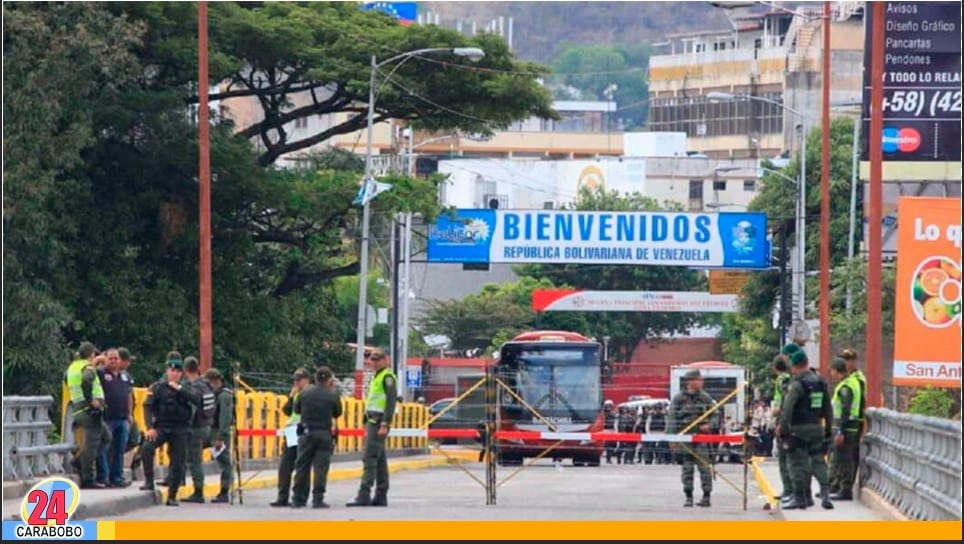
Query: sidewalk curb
[262,482]
[766,487]
[869,498]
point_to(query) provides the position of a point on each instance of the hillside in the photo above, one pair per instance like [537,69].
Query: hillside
[542,28]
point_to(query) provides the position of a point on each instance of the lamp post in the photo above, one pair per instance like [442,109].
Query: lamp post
[472,53]
[799,266]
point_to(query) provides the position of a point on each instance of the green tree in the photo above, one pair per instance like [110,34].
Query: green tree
[749,337]
[100,162]
[626,329]
[933,402]
[602,71]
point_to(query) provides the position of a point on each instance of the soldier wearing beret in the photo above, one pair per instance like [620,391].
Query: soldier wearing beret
[687,407]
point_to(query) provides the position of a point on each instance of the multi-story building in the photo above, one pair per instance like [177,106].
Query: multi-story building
[774,56]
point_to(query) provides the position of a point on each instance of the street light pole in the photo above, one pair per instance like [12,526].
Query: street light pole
[205,304]
[825,200]
[471,53]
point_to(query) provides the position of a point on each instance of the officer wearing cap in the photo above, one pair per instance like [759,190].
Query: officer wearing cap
[850,357]
[87,406]
[319,406]
[286,469]
[380,409]
[846,415]
[221,429]
[687,407]
[168,410]
[805,437]
[780,382]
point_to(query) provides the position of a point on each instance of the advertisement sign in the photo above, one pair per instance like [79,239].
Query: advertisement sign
[927,339]
[728,282]
[717,240]
[574,300]
[922,82]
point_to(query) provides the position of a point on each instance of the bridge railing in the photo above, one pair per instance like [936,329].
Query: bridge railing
[914,463]
[27,451]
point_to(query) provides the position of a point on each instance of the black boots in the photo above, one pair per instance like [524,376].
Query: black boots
[380,499]
[705,501]
[825,499]
[842,496]
[796,502]
[196,497]
[279,502]
[221,498]
[361,500]
[688,503]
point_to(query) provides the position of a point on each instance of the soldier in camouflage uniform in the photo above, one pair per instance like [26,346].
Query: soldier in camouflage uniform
[687,407]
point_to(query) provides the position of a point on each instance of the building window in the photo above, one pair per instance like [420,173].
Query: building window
[301,122]
[696,189]
[749,185]
[719,185]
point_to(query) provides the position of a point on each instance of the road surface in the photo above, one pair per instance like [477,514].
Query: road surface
[542,492]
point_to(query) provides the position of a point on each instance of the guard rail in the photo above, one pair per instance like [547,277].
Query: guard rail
[27,451]
[914,463]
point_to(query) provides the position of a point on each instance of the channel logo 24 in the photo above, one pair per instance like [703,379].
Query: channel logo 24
[46,511]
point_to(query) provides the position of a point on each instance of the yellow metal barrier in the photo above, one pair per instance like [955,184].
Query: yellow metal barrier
[262,410]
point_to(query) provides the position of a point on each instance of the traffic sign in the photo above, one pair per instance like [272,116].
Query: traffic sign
[413,378]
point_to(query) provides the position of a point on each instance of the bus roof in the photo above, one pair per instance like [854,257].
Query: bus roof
[550,336]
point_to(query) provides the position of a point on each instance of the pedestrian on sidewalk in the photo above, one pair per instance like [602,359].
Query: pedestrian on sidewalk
[221,431]
[807,440]
[168,410]
[289,455]
[200,427]
[319,406]
[379,413]
[87,404]
[119,415]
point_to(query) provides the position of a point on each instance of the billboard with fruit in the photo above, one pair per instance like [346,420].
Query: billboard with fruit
[927,347]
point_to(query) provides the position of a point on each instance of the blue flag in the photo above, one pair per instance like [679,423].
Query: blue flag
[405,12]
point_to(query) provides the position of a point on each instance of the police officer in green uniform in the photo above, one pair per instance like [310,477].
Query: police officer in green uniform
[200,427]
[168,410]
[803,435]
[221,429]
[380,409]
[287,466]
[319,406]
[87,405]
[850,357]
[846,411]
[780,382]
[685,408]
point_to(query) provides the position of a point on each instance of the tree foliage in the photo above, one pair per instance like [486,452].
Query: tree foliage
[750,337]
[101,155]
[933,402]
[593,70]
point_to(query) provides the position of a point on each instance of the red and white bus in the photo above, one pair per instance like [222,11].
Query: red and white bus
[559,375]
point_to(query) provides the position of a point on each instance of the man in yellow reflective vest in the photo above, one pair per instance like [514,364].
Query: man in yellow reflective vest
[87,405]
[379,411]
[846,411]
[850,357]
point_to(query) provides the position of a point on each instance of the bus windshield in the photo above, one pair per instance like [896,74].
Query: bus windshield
[561,383]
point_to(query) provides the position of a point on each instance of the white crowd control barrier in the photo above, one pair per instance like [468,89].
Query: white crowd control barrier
[27,451]
[914,462]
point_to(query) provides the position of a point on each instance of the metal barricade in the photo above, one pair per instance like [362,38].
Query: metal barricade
[914,463]
[27,452]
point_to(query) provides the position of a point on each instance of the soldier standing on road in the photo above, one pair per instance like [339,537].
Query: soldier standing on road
[780,383]
[687,407]
[221,429]
[287,466]
[168,410]
[380,409]
[800,429]
[850,357]
[319,406]
[846,412]
[87,405]
[609,424]
[627,449]
[200,427]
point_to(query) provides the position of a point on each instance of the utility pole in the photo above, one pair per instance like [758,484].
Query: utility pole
[205,306]
[825,348]
[875,240]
